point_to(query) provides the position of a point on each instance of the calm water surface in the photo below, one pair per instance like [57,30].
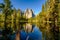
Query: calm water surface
[29,32]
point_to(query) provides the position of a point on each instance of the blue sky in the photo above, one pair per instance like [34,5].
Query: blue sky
[35,5]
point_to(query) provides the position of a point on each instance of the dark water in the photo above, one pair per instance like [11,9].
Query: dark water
[27,32]
[35,35]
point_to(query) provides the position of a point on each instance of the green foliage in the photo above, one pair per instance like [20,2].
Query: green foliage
[49,18]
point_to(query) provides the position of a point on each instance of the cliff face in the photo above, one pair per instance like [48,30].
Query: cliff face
[29,13]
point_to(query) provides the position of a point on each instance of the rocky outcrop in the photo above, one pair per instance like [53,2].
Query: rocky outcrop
[29,13]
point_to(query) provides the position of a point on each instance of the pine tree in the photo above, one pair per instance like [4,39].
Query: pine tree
[53,12]
[18,18]
[14,19]
[6,10]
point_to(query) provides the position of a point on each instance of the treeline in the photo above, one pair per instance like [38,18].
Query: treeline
[49,18]
[11,20]
[10,16]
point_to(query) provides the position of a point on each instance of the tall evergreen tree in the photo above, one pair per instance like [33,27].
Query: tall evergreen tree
[53,12]
[14,19]
[6,10]
[18,18]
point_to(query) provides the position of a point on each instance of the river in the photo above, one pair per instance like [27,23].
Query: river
[26,31]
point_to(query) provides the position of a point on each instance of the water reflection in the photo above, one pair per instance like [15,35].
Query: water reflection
[30,32]
[25,31]
[34,35]
[48,33]
[29,27]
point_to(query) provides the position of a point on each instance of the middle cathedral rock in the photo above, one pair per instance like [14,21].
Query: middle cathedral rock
[28,13]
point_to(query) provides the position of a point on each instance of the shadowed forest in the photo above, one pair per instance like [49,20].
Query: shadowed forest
[13,22]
